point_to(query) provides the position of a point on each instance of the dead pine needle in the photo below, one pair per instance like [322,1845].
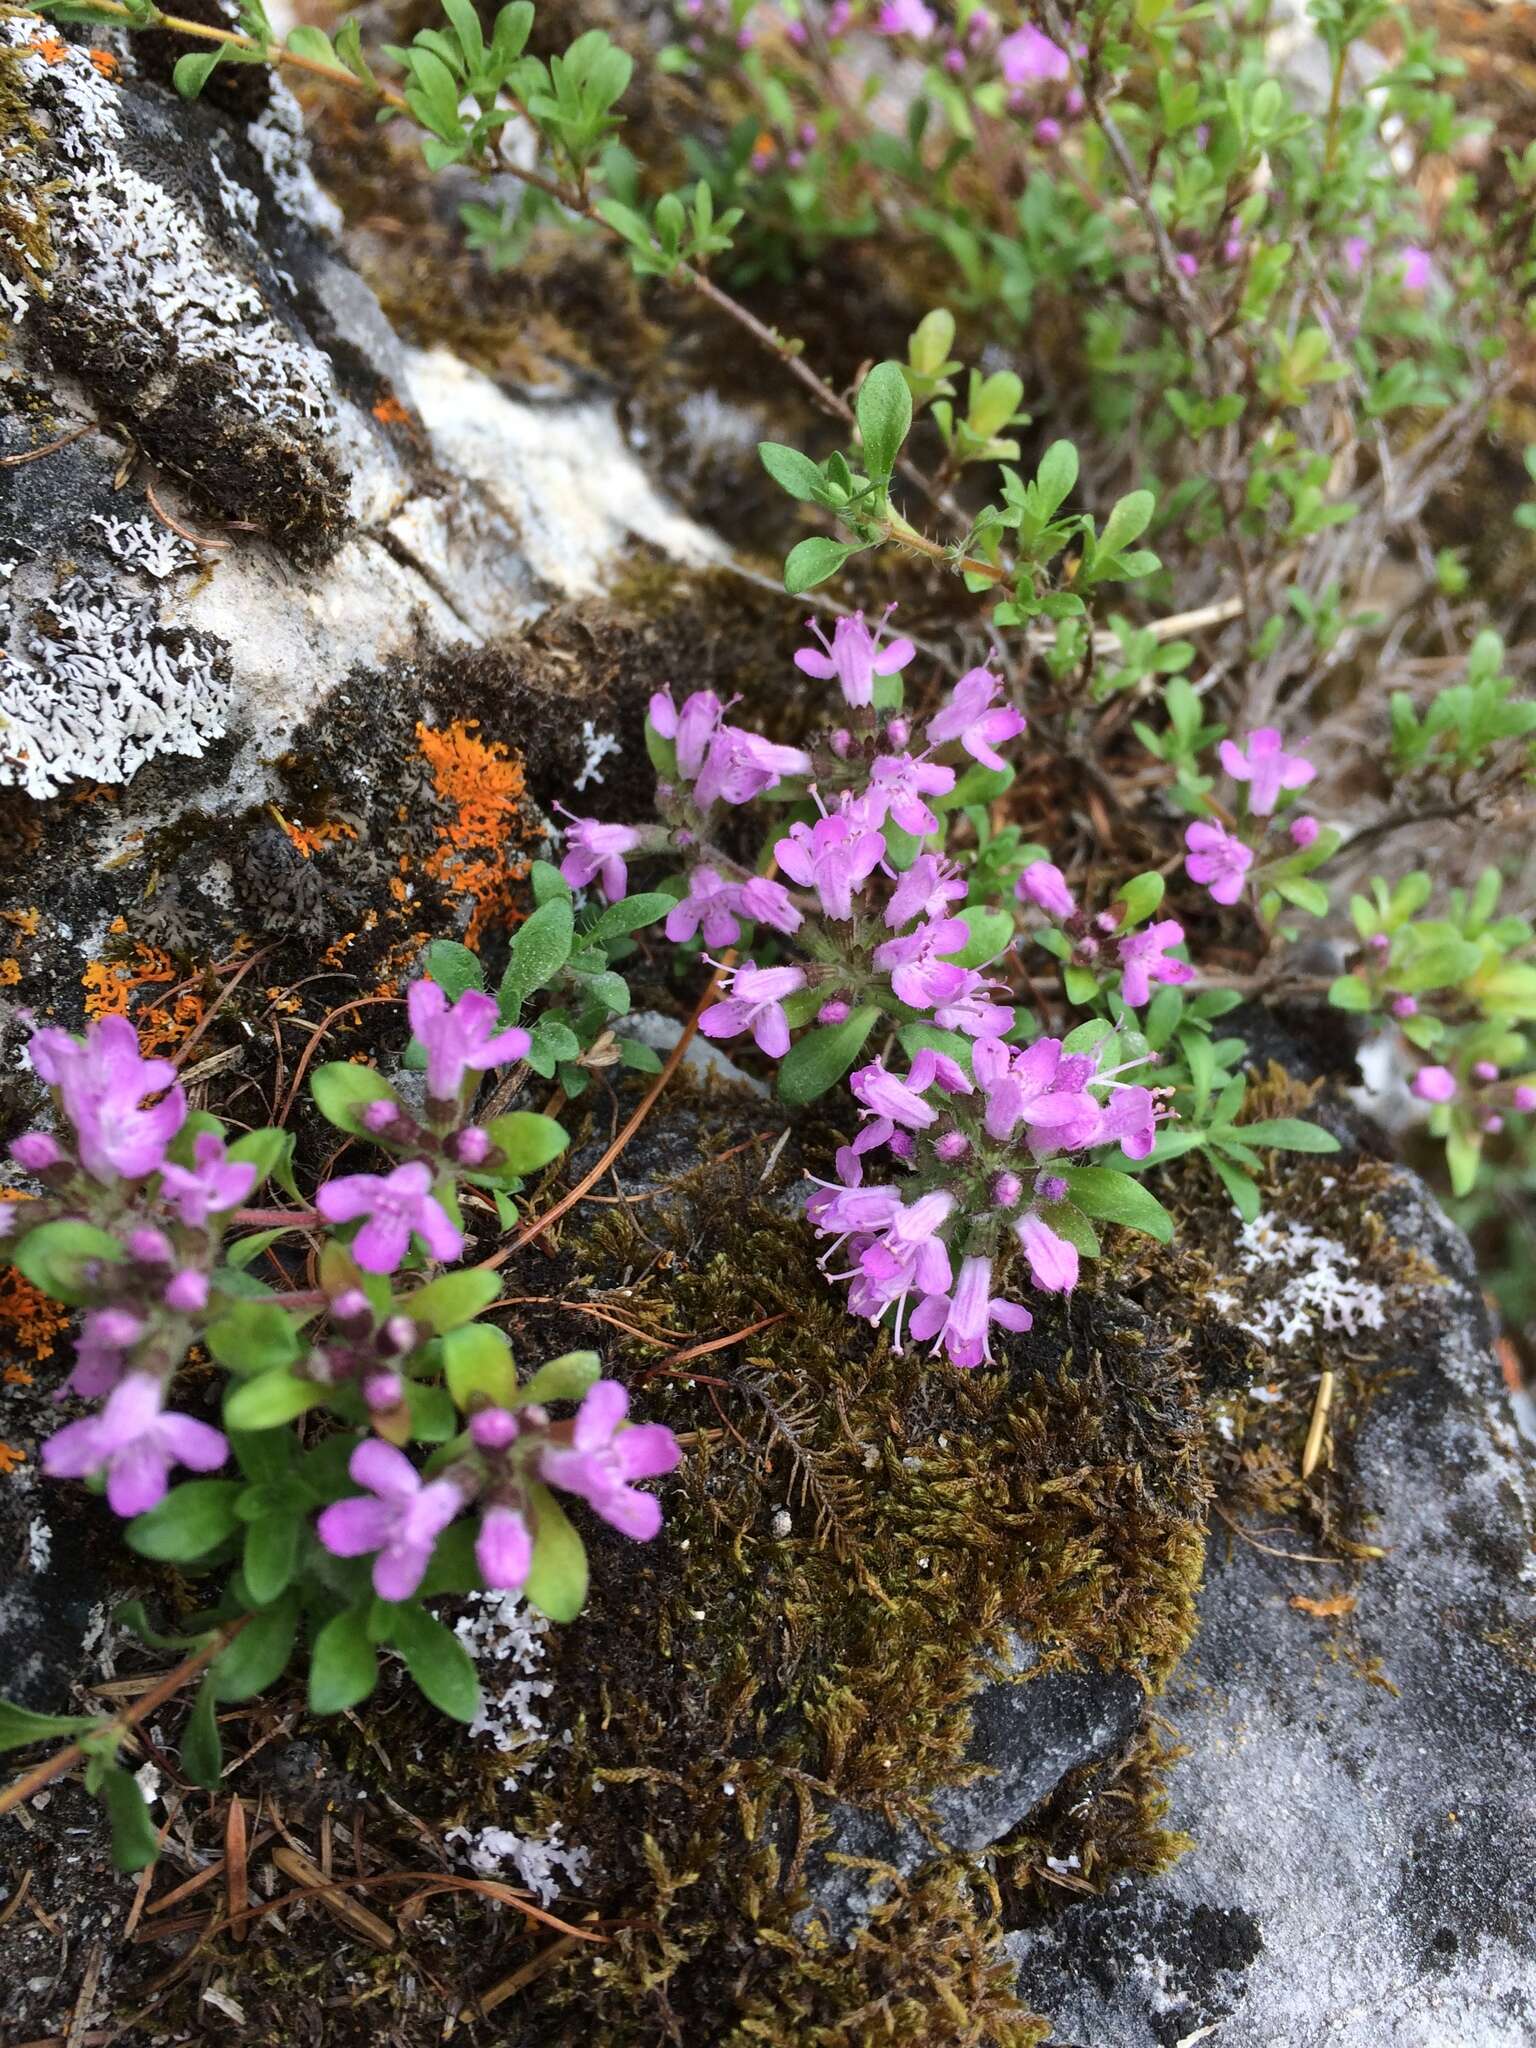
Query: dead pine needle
[1319,1425]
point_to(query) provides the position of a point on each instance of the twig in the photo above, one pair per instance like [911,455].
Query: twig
[718,1343]
[55,1766]
[197,540]
[48,447]
[1269,1550]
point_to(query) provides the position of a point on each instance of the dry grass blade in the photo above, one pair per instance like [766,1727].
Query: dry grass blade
[236,1890]
[330,1895]
[509,1987]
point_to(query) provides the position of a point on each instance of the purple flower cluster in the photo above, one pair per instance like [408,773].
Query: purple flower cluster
[1141,956]
[399,1515]
[984,1155]
[1219,857]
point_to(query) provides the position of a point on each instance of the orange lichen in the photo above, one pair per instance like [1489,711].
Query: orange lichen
[310,838]
[49,48]
[105,63]
[29,1319]
[16,1376]
[24,921]
[483,788]
[389,412]
[111,985]
[10,973]
[10,1458]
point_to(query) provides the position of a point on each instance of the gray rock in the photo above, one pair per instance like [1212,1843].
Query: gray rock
[1360,1876]
[1027,1734]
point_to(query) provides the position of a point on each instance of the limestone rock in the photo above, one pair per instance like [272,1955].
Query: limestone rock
[1359,1792]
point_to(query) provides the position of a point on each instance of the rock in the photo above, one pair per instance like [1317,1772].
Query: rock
[1358,1790]
[1027,1734]
[185,289]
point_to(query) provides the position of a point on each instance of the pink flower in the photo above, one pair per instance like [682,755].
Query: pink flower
[1304,831]
[693,728]
[1434,1084]
[768,902]
[36,1151]
[102,1083]
[907,18]
[503,1548]
[973,1011]
[1045,1092]
[597,854]
[711,902]
[1131,1116]
[969,718]
[741,765]
[1188,265]
[961,1321]
[926,890]
[1217,859]
[910,1255]
[604,1456]
[898,784]
[1355,250]
[398,1517]
[135,1442]
[1266,767]
[106,1336]
[835,856]
[1052,1260]
[1043,884]
[210,1186]
[1027,57]
[854,655]
[187,1292]
[460,1040]
[1418,269]
[1525,1098]
[396,1205]
[920,975]
[884,1095]
[1144,958]
[1404,1007]
[755,1003]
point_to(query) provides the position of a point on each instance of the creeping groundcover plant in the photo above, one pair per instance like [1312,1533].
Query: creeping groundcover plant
[436,1466]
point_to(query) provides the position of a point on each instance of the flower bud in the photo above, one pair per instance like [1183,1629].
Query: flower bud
[1043,884]
[952,1146]
[1493,1124]
[1048,132]
[1380,943]
[398,1336]
[36,1151]
[118,1327]
[1404,1006]
[897,732]
[1050,1187]
[472,1147]
[1304,831]
[493,1428]
[1525,1098]
[353,1306]
[1484,1070]
[187,1291]
[379,1115]
[1434,1084]
[841,743]
[834,1012]
[149,1246]
[383,1391]
[1006,1190]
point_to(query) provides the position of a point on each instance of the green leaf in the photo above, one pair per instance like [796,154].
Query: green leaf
[269,1399]
[540,949]
[343,1665]
[528,1140]
[632,914]
[437,1660]
[814,560]
[271,1555]
[1115,1197]
[193,71]
[270,1151]
[343,1091]
[478,1367]
[57,1257]
[884,412]
[452,1298]
[1056,478]
[557,1578]
[814,1062]
[1349,992]
[259,1655]
[202,1752]
[1129,518]
[565,1378]
[193,1519]
[991,933]
[239,1254]
[135,1843]
[792,471]
[313,43]
[1286,1133]
[453,967]
[253,1337]
[1140,896]
[1244,1191]
[19,1726]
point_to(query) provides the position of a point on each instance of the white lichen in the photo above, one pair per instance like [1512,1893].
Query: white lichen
[597,746]
[1320,1293]
[92,686]
[145,545]
[277,136]
[506,1639]
[543,1862]
[137,259]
